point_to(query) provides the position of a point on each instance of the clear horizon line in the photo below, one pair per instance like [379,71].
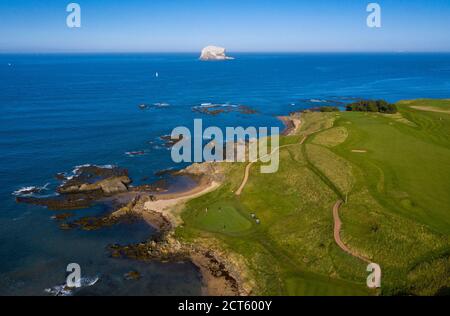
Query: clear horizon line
[228,52]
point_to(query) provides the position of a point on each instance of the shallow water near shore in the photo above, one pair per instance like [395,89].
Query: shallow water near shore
[60,111]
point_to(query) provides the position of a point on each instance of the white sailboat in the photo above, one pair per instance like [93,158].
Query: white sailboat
[156,74]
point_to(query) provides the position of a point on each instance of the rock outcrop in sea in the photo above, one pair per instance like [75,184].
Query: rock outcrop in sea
[90,184]
[214,53]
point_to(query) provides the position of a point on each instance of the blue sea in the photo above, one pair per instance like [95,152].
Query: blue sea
[59,111]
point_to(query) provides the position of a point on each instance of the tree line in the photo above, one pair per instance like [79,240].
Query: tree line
[372,106]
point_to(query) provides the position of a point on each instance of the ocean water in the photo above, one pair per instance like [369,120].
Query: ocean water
[59,111]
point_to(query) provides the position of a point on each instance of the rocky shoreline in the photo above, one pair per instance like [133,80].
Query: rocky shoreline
[220,277]
[222,274]
[95,184]
[291,123]
[90,184]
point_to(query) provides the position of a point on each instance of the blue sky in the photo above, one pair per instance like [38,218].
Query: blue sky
[245,25]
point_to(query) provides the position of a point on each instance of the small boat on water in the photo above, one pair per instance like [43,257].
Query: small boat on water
[156,74]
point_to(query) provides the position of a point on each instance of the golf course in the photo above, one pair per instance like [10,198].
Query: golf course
[352,188]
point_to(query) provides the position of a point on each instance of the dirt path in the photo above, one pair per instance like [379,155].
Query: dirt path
[337,205]
[247,168]
[337,233]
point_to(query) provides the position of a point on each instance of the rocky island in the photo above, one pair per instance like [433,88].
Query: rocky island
[210,53]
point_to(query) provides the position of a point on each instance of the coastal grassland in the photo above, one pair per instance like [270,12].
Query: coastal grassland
[398,213]
[313,122]
[291,251]
[393,174]
[405,167]
[331,137]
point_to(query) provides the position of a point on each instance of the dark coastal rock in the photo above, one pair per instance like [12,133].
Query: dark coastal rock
[218,268]
[66,226]
[215,109]
[91,178]
[160,185]
[95,223]
[87,185]
[243,109]
[169,141]
[61,176]
[147,251]
[215,269]
[289,125]
[166,172]
[132,275]
[159,222]
[129,213]
[155,219]
[63,202]
[62,216]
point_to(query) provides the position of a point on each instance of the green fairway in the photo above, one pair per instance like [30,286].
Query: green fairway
[393,172]
[414,168]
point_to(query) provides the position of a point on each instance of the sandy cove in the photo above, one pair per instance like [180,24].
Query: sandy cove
[165,203]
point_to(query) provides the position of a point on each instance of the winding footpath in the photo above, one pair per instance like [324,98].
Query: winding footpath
[247,168]
[336,206]
[337,233]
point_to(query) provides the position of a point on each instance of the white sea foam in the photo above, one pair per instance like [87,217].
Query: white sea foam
[77,168]
[30,190]
[135,153]
[213,105]
[161,105]
[24,190]
[64,290]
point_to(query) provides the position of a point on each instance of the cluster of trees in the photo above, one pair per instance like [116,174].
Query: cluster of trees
[372,106]
[329,109]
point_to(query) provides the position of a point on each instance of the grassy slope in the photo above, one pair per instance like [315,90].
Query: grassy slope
[397,212]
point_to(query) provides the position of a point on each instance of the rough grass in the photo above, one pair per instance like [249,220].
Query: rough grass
[332,166]
[331,137]
[313,122]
